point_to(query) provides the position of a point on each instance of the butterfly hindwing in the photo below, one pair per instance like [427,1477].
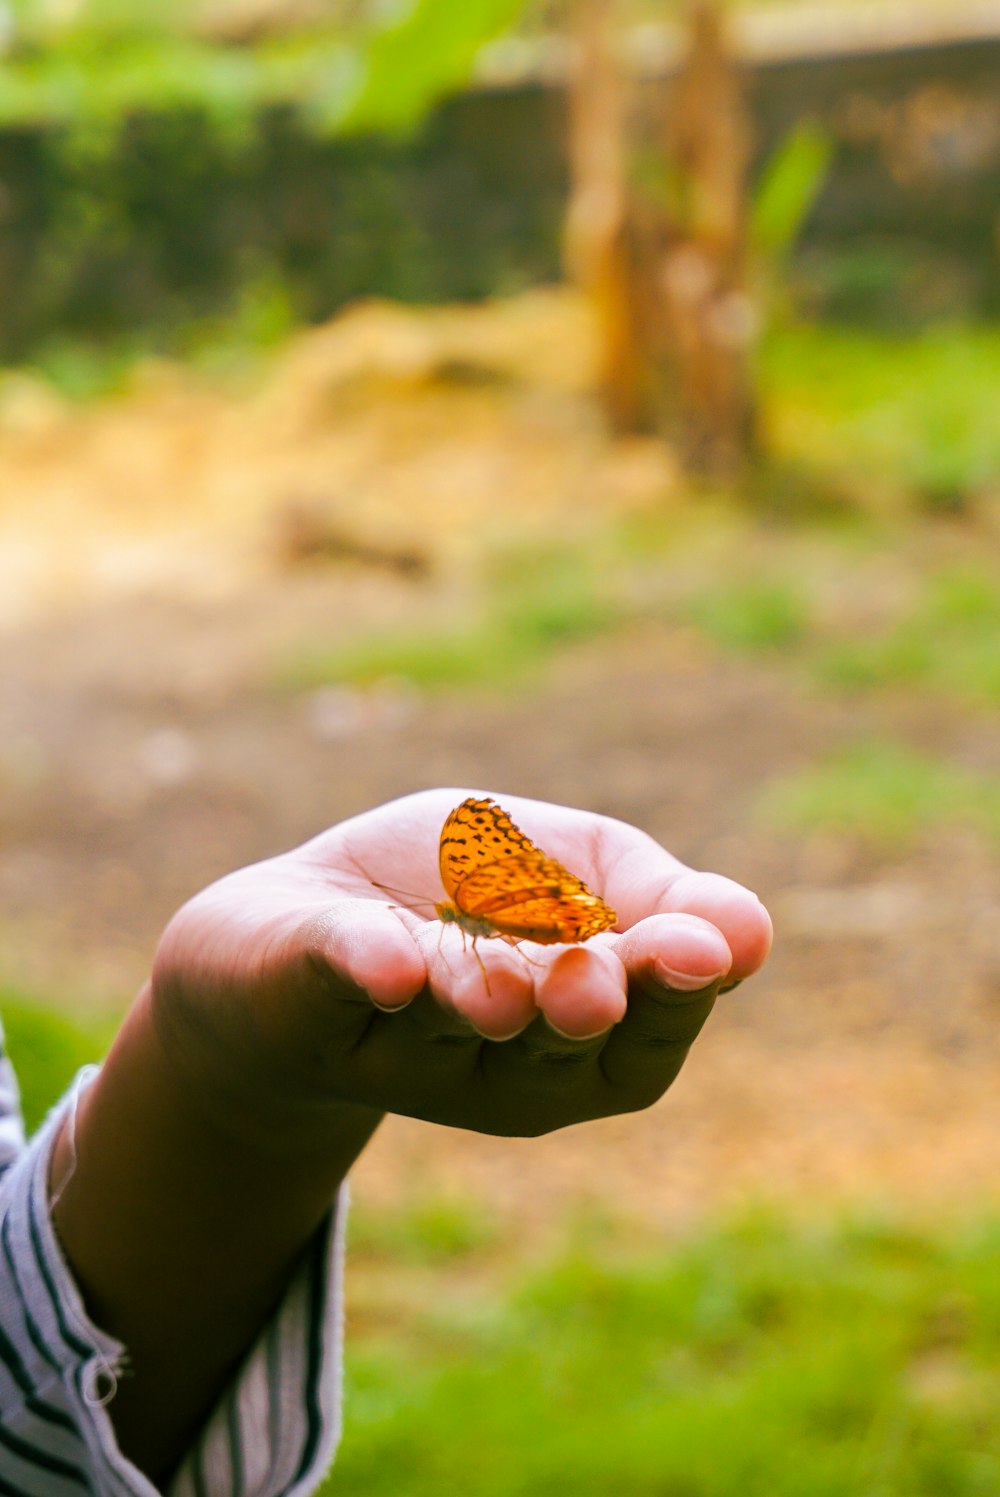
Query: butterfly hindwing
[548,922]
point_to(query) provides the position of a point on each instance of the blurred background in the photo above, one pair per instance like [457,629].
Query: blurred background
[595,401]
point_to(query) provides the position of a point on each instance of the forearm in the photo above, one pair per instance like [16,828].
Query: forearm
[183,1229]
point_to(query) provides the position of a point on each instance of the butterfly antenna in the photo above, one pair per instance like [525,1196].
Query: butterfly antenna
[404,893]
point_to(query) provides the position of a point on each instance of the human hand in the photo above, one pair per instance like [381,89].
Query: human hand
[295,1001]
[301,981]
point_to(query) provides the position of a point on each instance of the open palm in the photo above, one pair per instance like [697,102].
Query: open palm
[304,979]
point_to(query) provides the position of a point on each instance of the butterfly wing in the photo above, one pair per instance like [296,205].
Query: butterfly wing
[476,833]
[530,896]
[550,922]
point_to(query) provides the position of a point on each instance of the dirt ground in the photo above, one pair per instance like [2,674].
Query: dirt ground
[155,569]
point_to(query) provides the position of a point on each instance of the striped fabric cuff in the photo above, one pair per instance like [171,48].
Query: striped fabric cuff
[272,1434]
[11,1127]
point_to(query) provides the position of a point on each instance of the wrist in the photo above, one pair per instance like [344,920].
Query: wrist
[246,1094]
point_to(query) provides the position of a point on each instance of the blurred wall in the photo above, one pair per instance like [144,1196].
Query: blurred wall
[136,232]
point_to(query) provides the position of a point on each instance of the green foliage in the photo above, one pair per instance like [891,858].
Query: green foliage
[759,1358]
[909,414]
[789,185]
[884,794]
[383,72]
[141,159]
[425,51]
[48,1048]
[40,22]
[261,319]
[89,78]
[85,371]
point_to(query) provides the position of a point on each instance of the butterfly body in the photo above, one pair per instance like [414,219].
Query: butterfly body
[473,925]
[501,885]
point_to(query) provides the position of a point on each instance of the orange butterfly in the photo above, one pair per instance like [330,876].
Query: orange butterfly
[500,884]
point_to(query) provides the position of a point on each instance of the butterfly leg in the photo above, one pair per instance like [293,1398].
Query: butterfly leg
[482,965]
[516,943]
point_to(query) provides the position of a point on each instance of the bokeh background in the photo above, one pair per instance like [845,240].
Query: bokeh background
[595,401]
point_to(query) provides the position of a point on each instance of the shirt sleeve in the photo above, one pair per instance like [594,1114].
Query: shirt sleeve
[273,1432]
[11,1125]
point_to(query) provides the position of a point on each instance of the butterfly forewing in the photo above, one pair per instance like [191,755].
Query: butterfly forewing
[478,832]
[497,886]
[494,873]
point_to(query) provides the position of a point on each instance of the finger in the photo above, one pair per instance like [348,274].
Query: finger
[682,952]
[733,910]
[544,1047]
[365,945]
[484,984]
[582,992]
[648,880]
[675,964]
[580,996]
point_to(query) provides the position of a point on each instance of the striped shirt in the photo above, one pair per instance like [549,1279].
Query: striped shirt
[272,1433]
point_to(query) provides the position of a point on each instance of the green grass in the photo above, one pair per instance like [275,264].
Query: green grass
[884,794]
[753,617]
[759,1359]
[533,604]
[48,1048]
[943,640]
[913,415]
[948,641]
[427,1231]
[429,658]
[748,589]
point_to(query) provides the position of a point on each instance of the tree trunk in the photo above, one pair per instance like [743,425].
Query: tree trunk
[596,245]
[665,263]
[706,316]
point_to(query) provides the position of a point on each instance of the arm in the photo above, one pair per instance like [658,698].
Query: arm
[290,1006]
[183,1228]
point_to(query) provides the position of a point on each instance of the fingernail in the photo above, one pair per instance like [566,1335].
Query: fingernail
[382,1006]
[576,1039]
[684,982]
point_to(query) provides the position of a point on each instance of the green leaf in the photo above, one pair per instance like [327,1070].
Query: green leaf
[789,185]
[419,57]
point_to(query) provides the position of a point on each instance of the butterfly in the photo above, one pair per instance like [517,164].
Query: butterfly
[499,884]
